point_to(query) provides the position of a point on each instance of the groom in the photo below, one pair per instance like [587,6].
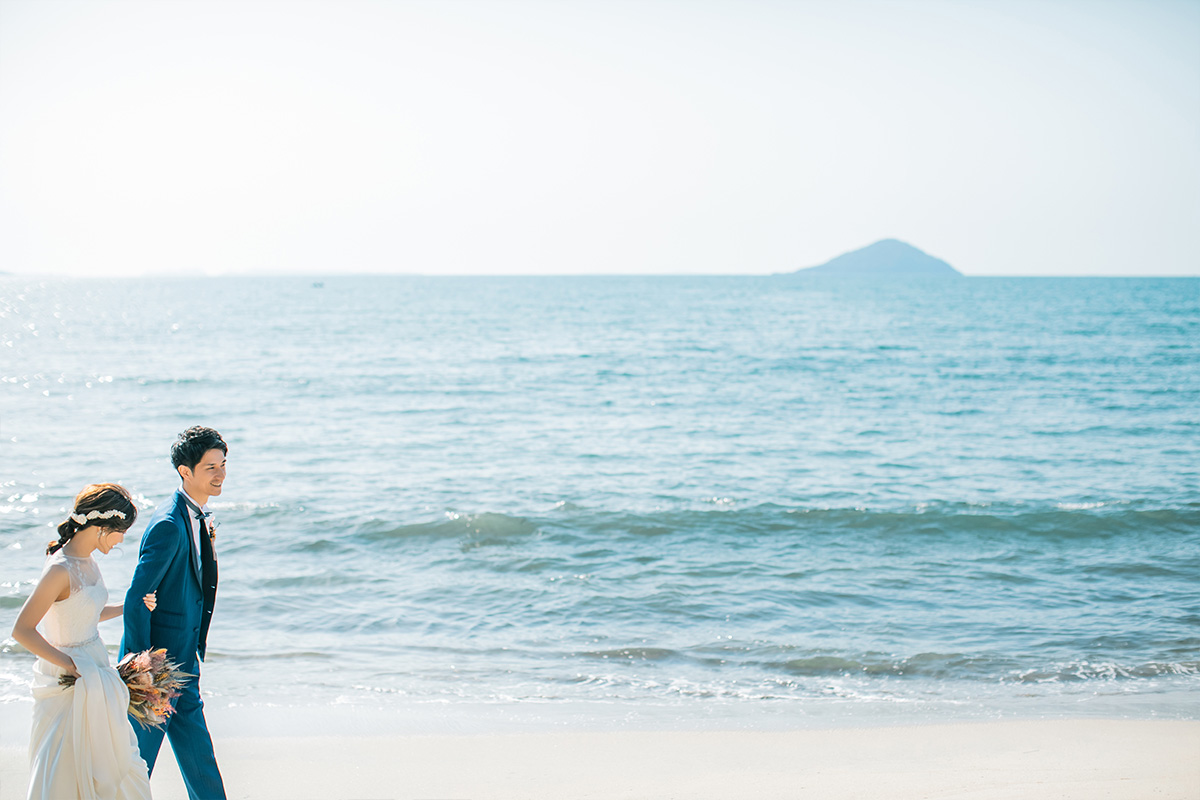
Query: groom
[177,560]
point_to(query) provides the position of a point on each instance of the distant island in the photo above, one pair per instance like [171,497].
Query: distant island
[885,257]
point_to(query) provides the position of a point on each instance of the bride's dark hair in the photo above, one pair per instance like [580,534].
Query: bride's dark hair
[101,498]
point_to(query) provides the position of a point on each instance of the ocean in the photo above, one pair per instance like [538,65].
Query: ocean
[701,502]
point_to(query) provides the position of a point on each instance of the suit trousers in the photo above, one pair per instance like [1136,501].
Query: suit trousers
[188,733]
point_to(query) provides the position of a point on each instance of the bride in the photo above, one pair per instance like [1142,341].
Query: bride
[82,744]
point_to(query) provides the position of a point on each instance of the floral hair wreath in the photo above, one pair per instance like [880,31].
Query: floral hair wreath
[80,519]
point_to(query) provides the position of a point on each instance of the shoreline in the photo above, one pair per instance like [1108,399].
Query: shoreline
[1081,758]
[388,718]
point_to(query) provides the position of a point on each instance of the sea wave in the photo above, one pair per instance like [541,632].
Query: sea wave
[981,667]
[1100,520]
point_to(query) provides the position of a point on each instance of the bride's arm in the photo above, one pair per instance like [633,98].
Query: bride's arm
[151,600]
[54,585]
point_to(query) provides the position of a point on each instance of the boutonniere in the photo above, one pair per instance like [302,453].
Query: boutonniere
[212,529]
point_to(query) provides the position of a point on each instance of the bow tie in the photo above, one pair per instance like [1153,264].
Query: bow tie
[203,517]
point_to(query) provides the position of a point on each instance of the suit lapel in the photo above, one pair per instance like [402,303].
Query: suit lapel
[185,513]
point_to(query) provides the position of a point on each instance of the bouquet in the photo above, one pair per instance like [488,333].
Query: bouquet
[153,680]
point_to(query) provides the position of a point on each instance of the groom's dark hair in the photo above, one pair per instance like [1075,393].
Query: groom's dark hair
[193,443]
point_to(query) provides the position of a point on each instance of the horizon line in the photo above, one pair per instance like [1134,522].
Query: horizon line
[798,273]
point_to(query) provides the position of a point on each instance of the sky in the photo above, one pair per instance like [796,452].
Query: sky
[570,137]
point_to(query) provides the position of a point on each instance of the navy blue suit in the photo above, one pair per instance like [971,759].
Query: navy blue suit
[186,585]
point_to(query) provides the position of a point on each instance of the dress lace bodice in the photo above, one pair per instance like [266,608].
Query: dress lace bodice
[74,621]
[81,743]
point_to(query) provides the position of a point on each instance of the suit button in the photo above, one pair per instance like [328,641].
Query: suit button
[195,630]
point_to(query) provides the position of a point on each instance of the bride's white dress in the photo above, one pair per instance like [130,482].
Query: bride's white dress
[82,745]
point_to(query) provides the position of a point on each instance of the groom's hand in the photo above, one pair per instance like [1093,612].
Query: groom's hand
[151,600]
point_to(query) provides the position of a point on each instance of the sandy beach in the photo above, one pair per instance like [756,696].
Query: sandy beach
[1024,759]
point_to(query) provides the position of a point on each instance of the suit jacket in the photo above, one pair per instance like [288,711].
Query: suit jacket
[186,584]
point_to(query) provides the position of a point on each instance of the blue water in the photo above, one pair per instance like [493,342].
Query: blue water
[655,501]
